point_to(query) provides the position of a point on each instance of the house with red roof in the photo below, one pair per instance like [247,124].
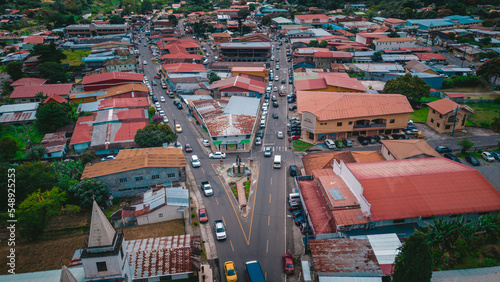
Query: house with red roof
[328,82]
[110,79]
[238,86]
[390,22]
[28,81]
[443,116]
[30,93]
[324,60]
[403,195]
[54,98]
[431,57]
[312,19]
[185,68]
[367,38]
[35,40]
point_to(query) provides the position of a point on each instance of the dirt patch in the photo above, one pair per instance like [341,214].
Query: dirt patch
[69,220]
[50,254]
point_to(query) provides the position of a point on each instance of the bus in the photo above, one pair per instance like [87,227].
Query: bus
[254,272]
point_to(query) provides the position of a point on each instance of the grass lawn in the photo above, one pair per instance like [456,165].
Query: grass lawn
[429,99]
[13,131]
[74,58]
[466,90]
[300,145]
[484,113]
[48,254]
[420,115]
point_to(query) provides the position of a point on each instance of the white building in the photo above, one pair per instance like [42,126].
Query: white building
[393,43]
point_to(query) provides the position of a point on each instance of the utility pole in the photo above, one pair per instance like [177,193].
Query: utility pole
[455,119]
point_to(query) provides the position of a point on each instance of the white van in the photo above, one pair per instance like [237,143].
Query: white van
[205,62]
[293,197]
[277,161]
[262,123]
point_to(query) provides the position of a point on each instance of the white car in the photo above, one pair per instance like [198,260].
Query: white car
[277,66]
[217,155]
[205,143]
[165,119]
[270,83]
[145,62]
[220,230]
[488,156]
[258,141]
[279,135]
[162,113]
[195,162]
[162,99]
[330,144]
[275,89]
[276,78]
[110,157]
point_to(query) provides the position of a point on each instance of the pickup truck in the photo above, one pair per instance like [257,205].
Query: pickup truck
[207,189]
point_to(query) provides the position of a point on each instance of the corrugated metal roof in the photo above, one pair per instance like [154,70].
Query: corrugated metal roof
[18,116]
[466,275]
[18,107]
[385,247]
[348,279]
[44,276]
[177,197]
[242,106]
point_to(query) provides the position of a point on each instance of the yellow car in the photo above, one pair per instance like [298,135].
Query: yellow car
[178,128]
[230,271]
[154,59]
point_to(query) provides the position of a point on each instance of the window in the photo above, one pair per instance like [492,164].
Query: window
[171,175]
[138,178]
[438,125]
[453,215]
[121,252]
[398,220]
[160,215]
[433,111]
[440,116]
[49,155]
[155,176]
[447,126]
[427,218]
[350,123]
[432,120]
[339,124]
[101,266]
[123,180]
[391,121]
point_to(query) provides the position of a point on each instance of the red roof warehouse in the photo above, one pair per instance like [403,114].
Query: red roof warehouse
[109,79]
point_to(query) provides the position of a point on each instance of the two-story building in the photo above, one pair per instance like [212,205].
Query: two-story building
[324,60]
[135,170]
[329,115]
[393,43]
[312,19]
[238,86]
[446,115]
[327,82]
[245,51]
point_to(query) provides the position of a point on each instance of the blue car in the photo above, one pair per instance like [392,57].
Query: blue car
[297,213]
[179,106]
[299,219]
[472,160]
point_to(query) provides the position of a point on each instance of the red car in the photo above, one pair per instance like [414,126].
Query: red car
[288,264]
[202,214]
[293,138]
[188,148]
[157,76]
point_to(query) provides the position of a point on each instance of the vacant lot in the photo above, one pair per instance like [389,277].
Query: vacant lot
[484,113]
[16,131]
[51,253]
[74,58]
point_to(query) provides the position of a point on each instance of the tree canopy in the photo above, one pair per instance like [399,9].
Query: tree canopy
[32,177]
[15,70]
[48,53]
[35,152]
[413,87]
[414,261]
[87,190]
[154,135]
[212,77]
[490,69]
[8,148]
[51,116]
[53,71]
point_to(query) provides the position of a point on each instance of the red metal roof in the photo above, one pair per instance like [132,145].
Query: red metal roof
[244,83]
[430,56]
[456,95]
[329,80]
[30,91]
[97,78]
[123,103]
[34,39]
[183,67]
[413,188]
[336,55]
[28,81]
[55,98]
[83,130]
[312,16]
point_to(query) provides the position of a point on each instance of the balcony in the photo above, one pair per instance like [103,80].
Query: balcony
[375,125]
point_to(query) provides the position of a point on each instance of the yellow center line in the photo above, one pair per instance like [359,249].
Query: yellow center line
[224,221]
[269,198]
[231,245]
[271,181]
[268,220]
[217,201]
[265,276]
[203,170]
[267,246]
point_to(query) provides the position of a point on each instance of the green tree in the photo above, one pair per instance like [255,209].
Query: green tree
[414,261]
[212,77]
[490,69]
[35,153]
[251,7]
[146,7]
[154,135]
[466,144]
[266,20]
[34,176]
[173,19]
[53,71]
[68,172]
[88,156]
[413,87]
[37,209]
[48,53]
[243,13]
[86,190]
[313,43]
[323,44]
[51,116]
[393,34]
[15,70]
[8,148]
[377,57]
[116,19]
[129,7]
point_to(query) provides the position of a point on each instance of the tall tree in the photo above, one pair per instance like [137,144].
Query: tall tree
[83,192]
[53,71]
[173,19]
[213,77]
[154,135]
[35,153]
[35,212]
[8,148]
[466,144]
[243,13]
[313,43]
[48,53]
[413,87]
[414,261]
[146,7]
[15,70]
[34,176]
[323,44]
[490,69]
[51,116]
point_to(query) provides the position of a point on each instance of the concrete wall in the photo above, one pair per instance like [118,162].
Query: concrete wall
[116,266]
[162,214]
[443,123]
[352,182]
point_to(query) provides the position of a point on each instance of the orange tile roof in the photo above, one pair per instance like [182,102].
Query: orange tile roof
[56,98]
[338,105]
[315,161]
[396,39]
[328,80]
[445,106]
[430,56]
[132,159]
[125,88]
[422,187]
[367,156]
[404,149]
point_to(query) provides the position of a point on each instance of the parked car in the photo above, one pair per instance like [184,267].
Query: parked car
[452,157]
[217,155]
[347,142]
[304,228]
[202,215]
[220,230]
[362,140]
[205,143]
[293,138]
[487,156]
[397,137]
[258,141]
[372,139]
[299,219]
[339,144]
[195,161]
[165,119]
[297,213]
[496,155]
[260,133]
[292,108]
[107,158]
[472,160]
[268,152]
[380,138]
[293,206]
[288,266]
[157,76]
[188,148]
[443,149]
[293,170]
[162,99]
[179,106]
[330,144]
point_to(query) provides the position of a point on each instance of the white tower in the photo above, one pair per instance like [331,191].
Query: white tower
[104,255]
